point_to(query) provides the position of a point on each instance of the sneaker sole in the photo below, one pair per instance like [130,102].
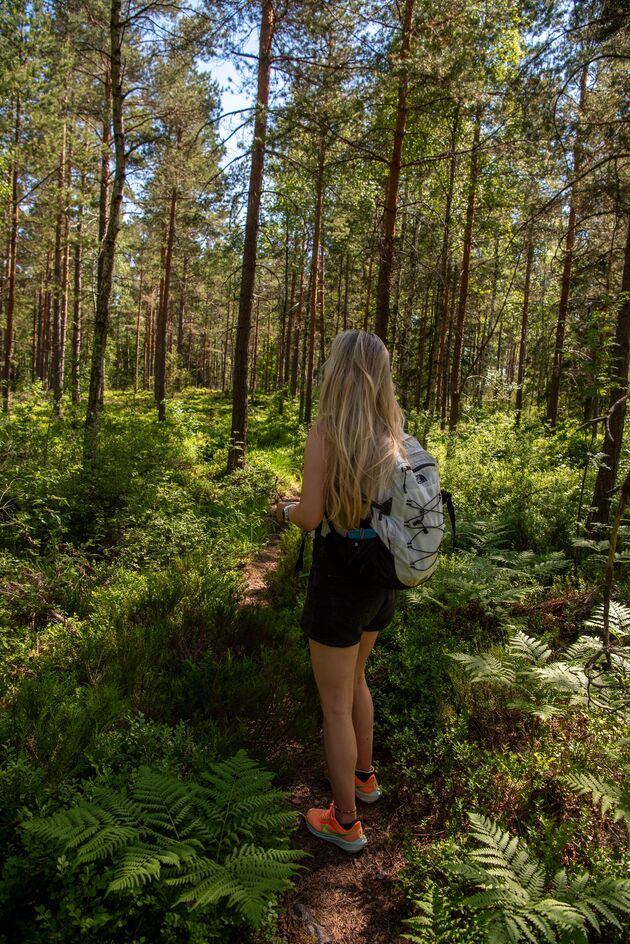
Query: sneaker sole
[355,846]
[368,797]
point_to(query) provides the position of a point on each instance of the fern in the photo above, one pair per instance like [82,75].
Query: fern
[588,674]
[528,648]
[607,796]
[485,668]
[223,838]
[618,619]
[520,902]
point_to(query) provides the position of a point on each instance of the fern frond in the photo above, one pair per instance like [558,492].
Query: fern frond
[196,837]
[526,647]
[618,619]
[607,796]
[562,677]
[484,668]
[521,903]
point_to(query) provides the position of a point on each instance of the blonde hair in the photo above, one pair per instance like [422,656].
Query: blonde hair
[362,425]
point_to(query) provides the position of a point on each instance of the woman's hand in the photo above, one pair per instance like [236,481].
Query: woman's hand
[276,510]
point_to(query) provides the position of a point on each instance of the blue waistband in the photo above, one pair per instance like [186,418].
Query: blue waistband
[361,534]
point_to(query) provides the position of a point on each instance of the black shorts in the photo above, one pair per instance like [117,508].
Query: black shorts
[337,610]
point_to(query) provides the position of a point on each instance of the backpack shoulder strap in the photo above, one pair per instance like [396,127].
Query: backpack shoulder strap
[447,501]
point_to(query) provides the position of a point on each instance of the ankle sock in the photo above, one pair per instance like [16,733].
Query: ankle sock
[364,775]
[346,825]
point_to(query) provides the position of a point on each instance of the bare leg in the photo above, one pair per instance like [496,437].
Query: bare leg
[362,708]
[334,671]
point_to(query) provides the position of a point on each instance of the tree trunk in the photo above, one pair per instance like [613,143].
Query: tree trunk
[182,308]
[238,436]
[345,293]
[322,316]
[317,229]
[289,331]
[391,192]
[611,449]
[12,259]
[463,290]
[108,250]
[295,359]
[523,343]
[136,359]
[162,321]
[61,278]
[563,306]
[254,378]
[77,313]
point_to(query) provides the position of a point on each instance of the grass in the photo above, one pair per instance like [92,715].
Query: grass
[122,641]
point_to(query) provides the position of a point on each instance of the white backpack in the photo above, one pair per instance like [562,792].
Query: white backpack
[399,546]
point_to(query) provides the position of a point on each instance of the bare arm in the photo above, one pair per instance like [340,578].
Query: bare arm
[309,511]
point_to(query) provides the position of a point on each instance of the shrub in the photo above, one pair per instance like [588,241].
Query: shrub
[206,858]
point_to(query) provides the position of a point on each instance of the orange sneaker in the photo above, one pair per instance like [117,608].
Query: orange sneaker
[324,825]
[368,791]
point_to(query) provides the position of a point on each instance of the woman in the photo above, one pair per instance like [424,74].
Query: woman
[350,454]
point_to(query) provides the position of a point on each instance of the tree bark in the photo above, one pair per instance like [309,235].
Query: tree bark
[463,289]
[289,331]
[12,259]
[391,193]
[295,357]
[523,342]
[77,312]
[317,229]
[611,449]
[106,257]
[182,308]
[238,437]
[136,359]
[61,280]
[565,289]
[162,321]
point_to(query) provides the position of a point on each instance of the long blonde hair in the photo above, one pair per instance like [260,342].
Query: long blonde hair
[362,425]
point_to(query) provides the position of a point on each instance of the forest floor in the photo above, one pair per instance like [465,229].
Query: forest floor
[337,898]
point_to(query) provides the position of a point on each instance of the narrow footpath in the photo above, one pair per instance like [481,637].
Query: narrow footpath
[337,898]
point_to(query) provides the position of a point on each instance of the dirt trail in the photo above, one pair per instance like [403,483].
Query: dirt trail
[338,898]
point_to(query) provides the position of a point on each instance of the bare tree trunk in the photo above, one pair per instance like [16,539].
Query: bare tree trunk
[368,296]
[136,359]
[37,306]
[322,318]
[295,360]
[182,308]
[61,279]
[317,229]
[391,193]
[77,315]
[563,307]
[163,319]
[12,258]
[345,293]
[289,331]
[108,250]
[238,437]
[463,289]
[254,377]
[611,449]
[523,343]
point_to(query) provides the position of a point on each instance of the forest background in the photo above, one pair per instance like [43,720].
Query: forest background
[451,176]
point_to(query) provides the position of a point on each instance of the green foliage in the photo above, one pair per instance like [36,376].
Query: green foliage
[608,796]
[516,900]
[545,686]
[519,481]
[222,839]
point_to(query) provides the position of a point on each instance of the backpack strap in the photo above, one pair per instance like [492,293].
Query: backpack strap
[299,564]
[447,501]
